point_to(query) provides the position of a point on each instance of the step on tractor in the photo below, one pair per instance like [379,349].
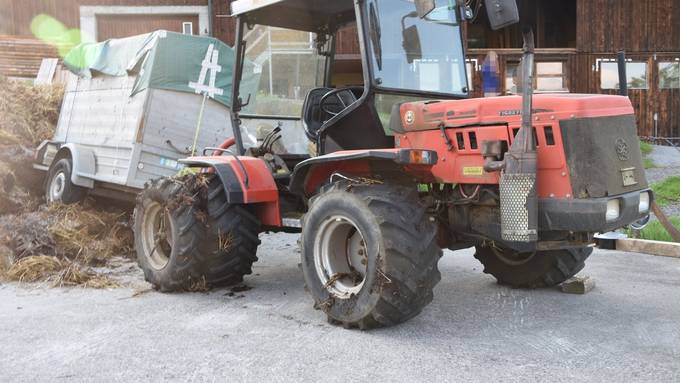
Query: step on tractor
[381,176]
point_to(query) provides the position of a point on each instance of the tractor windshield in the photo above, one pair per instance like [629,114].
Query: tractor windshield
[416,55]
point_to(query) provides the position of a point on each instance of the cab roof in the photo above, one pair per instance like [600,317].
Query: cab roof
[303,15]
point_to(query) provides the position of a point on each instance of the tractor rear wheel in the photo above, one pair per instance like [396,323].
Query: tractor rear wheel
[532,270]
[180,247]
[369,254]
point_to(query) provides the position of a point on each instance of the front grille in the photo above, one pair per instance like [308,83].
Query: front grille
[603,155]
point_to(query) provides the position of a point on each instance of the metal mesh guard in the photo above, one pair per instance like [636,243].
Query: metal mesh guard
[515,188]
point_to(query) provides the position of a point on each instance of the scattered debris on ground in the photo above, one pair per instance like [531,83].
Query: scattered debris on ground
[578,285]
[58,245]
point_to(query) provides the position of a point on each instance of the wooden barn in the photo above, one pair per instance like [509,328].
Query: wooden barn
[577,41]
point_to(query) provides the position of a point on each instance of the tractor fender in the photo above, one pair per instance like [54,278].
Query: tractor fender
[311,173]
[246,180]
[83,161]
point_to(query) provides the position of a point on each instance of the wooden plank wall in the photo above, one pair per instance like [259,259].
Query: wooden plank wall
[633,25]
[649,31]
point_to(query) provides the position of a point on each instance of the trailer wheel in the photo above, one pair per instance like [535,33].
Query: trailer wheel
[177,244]
[532,270]
[58,186]
[369,254]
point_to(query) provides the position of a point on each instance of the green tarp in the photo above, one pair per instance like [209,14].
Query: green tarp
[163,60]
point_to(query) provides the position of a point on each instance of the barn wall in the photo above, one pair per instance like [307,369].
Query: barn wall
[633,25]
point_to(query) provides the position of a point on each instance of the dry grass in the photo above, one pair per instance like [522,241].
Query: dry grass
[56,272]
[57,245]
[28,113]
[68,231]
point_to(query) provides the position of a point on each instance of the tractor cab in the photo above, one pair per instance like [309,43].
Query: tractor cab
[410,51]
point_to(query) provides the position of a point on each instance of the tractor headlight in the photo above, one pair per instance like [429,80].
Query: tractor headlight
[613,210]
[643,207]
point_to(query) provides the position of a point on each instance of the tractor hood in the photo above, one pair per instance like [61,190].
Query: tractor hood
[428,115]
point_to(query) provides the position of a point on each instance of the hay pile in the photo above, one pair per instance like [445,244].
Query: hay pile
[28,115]
[58,245]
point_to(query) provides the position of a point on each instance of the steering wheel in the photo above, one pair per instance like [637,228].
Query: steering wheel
[336,93]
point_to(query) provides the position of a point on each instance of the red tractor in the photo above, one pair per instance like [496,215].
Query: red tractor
[380,177]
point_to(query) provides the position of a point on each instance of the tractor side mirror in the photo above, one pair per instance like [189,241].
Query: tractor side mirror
[411,44]
[424,7]
[502,13]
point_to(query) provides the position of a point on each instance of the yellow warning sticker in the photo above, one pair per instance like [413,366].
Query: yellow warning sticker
[473,171]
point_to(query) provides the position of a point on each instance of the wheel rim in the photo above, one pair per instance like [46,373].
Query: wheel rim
[513,258]
[57,186]
[157,235]
[340,256]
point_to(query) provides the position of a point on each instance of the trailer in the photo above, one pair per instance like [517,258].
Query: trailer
[132,107]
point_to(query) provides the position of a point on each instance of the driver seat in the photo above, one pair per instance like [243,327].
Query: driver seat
[312,115]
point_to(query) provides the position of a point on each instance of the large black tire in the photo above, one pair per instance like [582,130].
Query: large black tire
[237,229]
[532,270]
[190,252]
[399,243]
[58,186]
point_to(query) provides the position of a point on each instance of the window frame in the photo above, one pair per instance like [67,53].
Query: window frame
[611,61]
[190,24]
[675,62]
[516,62]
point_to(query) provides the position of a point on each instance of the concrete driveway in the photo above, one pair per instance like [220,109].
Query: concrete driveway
[627,329]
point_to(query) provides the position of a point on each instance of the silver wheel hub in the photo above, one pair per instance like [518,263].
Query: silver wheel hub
[340,256]
[157,235]
[57,186]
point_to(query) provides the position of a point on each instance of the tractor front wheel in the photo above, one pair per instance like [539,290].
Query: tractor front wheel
[369,254]
[533,269]
[187,238]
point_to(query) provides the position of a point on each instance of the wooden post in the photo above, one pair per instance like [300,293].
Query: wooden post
[666,223]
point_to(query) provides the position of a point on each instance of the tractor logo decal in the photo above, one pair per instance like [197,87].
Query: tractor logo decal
[409,117]
[622,149]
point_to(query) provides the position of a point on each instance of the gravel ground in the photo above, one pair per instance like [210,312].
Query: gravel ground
[665,156]
[667,160]
[655,175]
[474,331]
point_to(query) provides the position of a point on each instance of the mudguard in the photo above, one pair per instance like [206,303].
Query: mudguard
[84,163]
[246,180]
[310,173]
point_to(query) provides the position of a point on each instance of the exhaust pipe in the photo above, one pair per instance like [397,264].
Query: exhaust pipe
[623,79]
[519,202]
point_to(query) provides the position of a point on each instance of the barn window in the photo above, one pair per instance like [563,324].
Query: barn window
[469,64]
[549,76]
[636,75]
[512,77]
[669,75]
[188,28]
